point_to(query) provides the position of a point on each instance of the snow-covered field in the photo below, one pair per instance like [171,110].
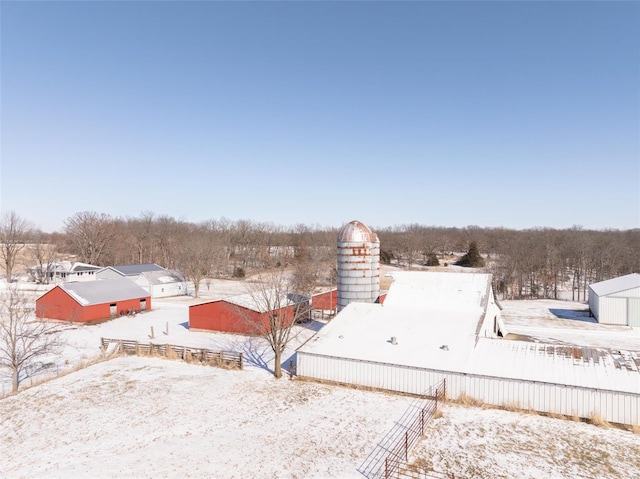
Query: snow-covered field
[149,417]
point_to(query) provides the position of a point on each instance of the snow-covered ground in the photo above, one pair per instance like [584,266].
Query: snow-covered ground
[566,322]
[151,417]
[472,442]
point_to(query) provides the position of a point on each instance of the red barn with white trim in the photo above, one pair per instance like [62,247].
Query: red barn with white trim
[92,301]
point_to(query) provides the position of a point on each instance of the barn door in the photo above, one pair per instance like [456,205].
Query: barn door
[113,310]
[143,305]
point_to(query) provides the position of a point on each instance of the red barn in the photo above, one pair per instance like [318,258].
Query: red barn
[327,301]
[243,314]
[92,300]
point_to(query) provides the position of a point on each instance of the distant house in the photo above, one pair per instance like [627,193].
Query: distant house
[617,300]
[162,284]
[63,271]
[240,314]
[92,301]
[127,271]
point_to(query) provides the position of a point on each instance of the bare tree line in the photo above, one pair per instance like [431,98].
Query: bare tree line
[531,263]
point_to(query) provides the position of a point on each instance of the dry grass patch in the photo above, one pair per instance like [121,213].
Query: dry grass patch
[597,420]
[469,401]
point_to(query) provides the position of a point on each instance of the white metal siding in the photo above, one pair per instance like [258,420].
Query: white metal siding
[612,310]
[633,312]
[613,406]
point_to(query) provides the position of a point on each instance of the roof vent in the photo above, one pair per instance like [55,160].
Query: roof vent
[394,341]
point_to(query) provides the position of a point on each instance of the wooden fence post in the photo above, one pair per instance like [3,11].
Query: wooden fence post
[422,422]
[386,467]
[241,361]
[152,336]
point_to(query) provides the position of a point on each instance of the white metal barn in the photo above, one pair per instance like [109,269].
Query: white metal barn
[162,284]
[617,300]
[436,326]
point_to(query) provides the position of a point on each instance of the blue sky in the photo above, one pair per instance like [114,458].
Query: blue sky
[514,114]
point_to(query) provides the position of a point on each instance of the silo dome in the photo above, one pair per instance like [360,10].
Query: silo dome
[356,231]
[358,264]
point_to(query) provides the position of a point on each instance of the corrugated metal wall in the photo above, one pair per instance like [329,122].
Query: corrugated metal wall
[633,312]
[612,310]
[613,406]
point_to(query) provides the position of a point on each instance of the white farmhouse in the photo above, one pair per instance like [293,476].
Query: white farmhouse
[617,300]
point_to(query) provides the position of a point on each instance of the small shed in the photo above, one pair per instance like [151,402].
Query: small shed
[617,300]
[240,314]
[162,284]
[92,301]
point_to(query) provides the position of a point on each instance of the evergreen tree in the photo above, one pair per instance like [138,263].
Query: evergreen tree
[472,258]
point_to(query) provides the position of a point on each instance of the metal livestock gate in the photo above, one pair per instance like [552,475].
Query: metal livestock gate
[613,406]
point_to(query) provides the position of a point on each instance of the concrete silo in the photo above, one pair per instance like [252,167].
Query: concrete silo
[358,265]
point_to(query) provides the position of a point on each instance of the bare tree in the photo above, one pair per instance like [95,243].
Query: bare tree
[13,232]
[23,338]
[44,255]
[195,255]
[90,234]
[282,307]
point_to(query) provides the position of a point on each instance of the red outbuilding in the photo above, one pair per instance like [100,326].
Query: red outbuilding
[92,300]
[327,301]
[244,315]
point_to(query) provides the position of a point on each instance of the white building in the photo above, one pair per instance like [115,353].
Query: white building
[617,300]
[435,326]
[63,272]
[162,284]
[156,280]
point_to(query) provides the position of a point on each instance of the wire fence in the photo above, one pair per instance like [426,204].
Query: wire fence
[392,452]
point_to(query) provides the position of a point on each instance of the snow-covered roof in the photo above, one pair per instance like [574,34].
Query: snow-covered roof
[163,277]
[437,290]
[437,338]
[261,301]
[135,269]
[573,365]
[433,316]
[616,285]
[99,292]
